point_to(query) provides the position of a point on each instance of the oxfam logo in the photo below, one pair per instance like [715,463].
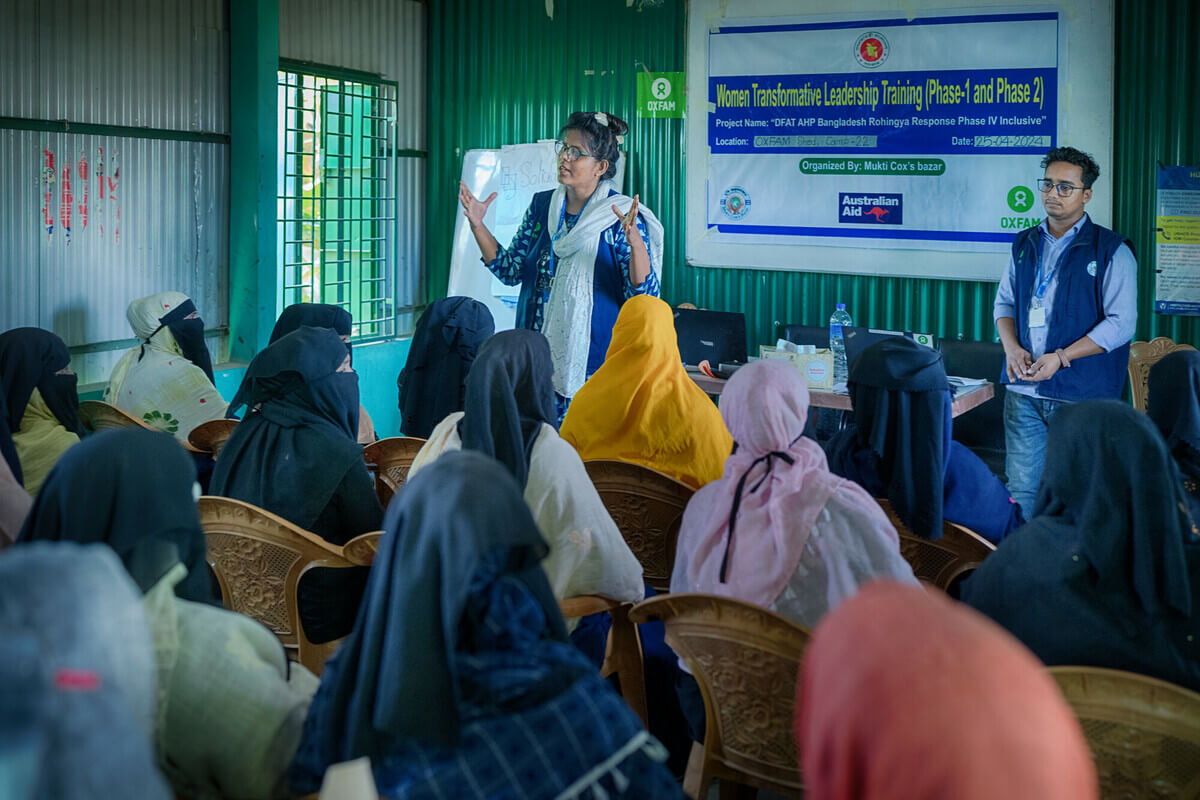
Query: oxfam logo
[660,88]
[1020,199]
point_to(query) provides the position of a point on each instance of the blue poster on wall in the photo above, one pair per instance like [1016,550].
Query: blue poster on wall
[923,133]
[1177,241]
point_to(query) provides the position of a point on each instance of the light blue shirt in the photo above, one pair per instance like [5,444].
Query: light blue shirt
[1119,297]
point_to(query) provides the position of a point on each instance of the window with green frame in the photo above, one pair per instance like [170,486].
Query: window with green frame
[337,194]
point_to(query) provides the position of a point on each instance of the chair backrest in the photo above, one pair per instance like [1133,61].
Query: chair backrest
[647,507]
[210,437]
[1143,356]
[945,560]
[392,458]
[1144,733]
[99,416]
[259,559]
[745,660]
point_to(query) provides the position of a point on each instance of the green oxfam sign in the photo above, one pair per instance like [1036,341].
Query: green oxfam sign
[660,95]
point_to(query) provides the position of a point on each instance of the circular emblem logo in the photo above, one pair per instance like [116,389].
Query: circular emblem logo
[1020,199]
[871,49]
[816,371]
[1091,268]
[735,202]
[660,88]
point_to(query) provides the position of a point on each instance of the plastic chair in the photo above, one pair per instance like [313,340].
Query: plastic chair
[1143,356]
[945,561]
[745,660]
[647,507]
[258,559]
[100,416]
[623,651]
[361,550]
[391,459]
[210,437]
[1144,733]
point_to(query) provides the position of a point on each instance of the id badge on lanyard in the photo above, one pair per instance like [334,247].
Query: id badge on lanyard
[1037,308]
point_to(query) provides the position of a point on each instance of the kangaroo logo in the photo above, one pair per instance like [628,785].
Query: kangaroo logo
[876,212]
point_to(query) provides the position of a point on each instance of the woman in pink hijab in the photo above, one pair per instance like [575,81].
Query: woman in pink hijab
[778,529]
[904,693]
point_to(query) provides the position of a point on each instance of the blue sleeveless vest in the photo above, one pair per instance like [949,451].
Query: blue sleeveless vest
[1078,307]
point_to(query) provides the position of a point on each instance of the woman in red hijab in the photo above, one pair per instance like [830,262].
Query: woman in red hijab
[907,694]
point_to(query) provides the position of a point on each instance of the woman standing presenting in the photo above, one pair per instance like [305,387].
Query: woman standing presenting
[575,263]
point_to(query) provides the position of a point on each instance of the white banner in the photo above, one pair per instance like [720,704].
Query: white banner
[826,142]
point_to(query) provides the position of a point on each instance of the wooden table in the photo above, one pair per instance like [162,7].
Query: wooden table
[967,398]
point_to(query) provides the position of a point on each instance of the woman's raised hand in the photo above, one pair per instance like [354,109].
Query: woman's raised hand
[629,219]
[474,209]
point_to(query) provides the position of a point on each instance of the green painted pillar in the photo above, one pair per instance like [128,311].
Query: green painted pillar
[253,271]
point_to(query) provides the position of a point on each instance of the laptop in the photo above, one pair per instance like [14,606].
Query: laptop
[859,339]
[716,336]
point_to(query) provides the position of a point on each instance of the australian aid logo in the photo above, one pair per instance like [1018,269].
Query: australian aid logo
[864,208]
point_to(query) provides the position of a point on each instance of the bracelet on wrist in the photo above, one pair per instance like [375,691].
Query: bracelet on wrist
[1062,358]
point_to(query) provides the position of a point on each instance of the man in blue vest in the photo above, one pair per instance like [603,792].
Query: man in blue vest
[1065,311]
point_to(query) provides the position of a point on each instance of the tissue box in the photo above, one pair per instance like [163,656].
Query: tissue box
[817,367]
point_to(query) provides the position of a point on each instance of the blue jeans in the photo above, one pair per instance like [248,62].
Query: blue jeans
[1025,423]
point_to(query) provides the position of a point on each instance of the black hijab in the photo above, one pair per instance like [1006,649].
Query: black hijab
[7,449]
[433,382]
[290,454]
[132,489]
[392,679]
[189,335]
[509,396]
[899,392]
[1174,406]
[295,316]
[1109,476]
[30,358]
[1102,575]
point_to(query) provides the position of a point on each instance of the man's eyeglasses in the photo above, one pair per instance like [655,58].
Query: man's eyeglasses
[570,152]
[1064,189]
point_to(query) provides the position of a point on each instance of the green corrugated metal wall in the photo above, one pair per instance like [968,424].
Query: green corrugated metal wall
[502,72]
[1157,121]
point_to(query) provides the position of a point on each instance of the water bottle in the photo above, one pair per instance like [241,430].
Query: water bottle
[837,343]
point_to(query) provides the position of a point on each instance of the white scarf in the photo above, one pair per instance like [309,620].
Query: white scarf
[568,318]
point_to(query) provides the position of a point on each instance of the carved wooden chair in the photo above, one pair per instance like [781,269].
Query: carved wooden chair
[942,562]
[210,437]
[647,507]
[391,459]
[1144,733]
[259,559]
[745,660]
[100,416]
[623,651]
[1143,356]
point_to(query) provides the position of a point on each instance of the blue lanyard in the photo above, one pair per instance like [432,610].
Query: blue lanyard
[1043,281]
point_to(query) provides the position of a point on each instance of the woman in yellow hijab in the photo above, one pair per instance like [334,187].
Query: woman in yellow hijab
[642,407]
[40,394]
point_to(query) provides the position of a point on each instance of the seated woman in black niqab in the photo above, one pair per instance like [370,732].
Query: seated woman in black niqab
[314,315]
[1174,406]
[41,397]
[899,446]
[295,455]
[1103,574]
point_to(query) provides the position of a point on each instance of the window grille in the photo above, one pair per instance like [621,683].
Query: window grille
[337,195]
